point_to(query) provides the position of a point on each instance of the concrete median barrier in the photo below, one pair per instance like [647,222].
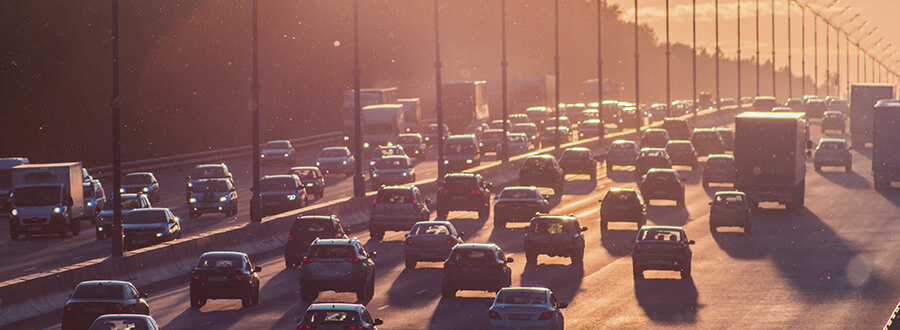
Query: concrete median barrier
[186,254]
[151,265]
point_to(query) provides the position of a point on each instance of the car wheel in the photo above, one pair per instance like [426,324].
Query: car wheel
[484,213]
[848,168]
[604,225]
[530,256]
[99,236]
[448,291]
[196,300]
[712,228]
[442,213]
[578,256]
[818,167]
[705,184]
[308,293]
[254,299]
[376,235]
[680,200]
[609,167]
[686,271]
[370,289]
[638,272]
[499,223]
[75,227]
[288,264]
[245,301]
[747,228]
[411,263]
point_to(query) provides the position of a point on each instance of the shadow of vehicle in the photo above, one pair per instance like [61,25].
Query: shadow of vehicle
[415,286]
[672,301]
[560,276]
[851,180]
[618,242]
[460,313]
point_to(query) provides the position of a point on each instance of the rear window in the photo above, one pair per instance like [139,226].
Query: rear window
[472,256]
[120,323]
[331,251]
[575,154]
[719,162]
[537,162]
[654,234]
[312,226]
[394,196]
[653,153]
[333,153]
[518,194]
[553,227]
[517,139]
[622,146]
[208,172]
[622,196]
[660,176]
[220,262]
[705,135]
[678,146]
[523,129]
[459,183]
[98,291]
[429,229]
[332,317]
[729,199]
[522,298]
[831,145]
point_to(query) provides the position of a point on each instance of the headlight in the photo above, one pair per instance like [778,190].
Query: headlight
[405,174]
[190,184]
[372,163]
[146,189]
[346,138]
[285,155]
[317,163]
[446,162]
[374,175]
[57,209]
[468,161]
[99,228]
[159,234]
[262,156]
[15,212]
[344,163]
[91,204]
[192,200]
[366,145]
[291,197]
[122,190]
[223,198]
[309,184]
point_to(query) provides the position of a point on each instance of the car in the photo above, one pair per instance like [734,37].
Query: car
[590,128]
[833,152]
[782,109]
[719,168]
[356,269]
[144,227]
[129,201]
[489,140]
[729,208]
[526,308]
[651,158]
[654,138]
[413,145]
[464,192]
[94,199]
[540,116]
[397,208]
[661,248]
[430,241]
[383,151]
[338,316]
[208,171]
[542,171]
[555,236]
[815,109]
[530,130]
[764,103]
[431,134]
[681,152]
[621,152]
[277,151]
[336,160]
[839,105]
[224,275]
[727,136]
[746,100]
[548,136]
[678,128]
[707,141]
[461,152]
[622,205]
[311,178]
[393,170]
[281,193]
[498,124]
[518,144]
[519,204]
[141,182]
[213,195]
[796,105]
[305,230]
[475,266]
[727,102]
[91,299]
[476,128]
[662,183]
[125,321]
[657,111]
[578,160]
[519,118]
[833,120]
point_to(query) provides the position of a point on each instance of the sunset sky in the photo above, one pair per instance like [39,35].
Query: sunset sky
[880,13]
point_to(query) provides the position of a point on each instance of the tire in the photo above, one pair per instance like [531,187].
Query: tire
[484,212]
[14,235]
[594,175]
[609,167]
[680,200]
[254,299]
[818,168]
[747,228]
[441,213]
[411,263]
[499,223]
[705,184]
[75,227]
[362,290]
[376,235]
[530,257]
[448,292]
[713,228]
[638,272]
[848,168]
[245,301]
[197,301]
[686,271]
[308,294]
[370,289]
[288,264]
[578,257]
[604,225]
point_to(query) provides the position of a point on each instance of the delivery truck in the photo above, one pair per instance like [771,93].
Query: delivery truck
[47,199]
[886,144]
[863,98]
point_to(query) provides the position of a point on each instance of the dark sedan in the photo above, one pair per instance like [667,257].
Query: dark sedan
[518,204]
[143,227]
[224,275]
[92,299]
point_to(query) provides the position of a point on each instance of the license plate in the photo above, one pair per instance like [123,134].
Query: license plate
[94,309]
[271,203]
[459,197]
[519,317]
[34,228]
[139,241]
[217,278]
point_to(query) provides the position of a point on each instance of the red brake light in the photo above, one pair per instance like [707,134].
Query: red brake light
[196,277]
[355,327]
[637,246]
[449,241]
[474,192]
[499,205]
[532,205]
[545,316]
[680,246]
[290,237]
[118,308]
[409,241]
[305,259]
[494,315]
[68,308]
[443,191]
[238,277]
[609,153]
[354,259]
[375,201]
[306,327]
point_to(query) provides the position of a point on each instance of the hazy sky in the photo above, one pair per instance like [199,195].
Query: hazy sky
[880,13]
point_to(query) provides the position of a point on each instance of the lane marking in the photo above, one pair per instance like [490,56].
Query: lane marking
[29,269]
[76,258]
[383,307]
[205,324]
[422,291]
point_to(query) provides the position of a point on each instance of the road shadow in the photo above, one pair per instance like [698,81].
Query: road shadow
[690,176]
[580,187]
[618,242]
[668,301]
[415,286]
[850,180]
[385,250]
[740,245]
[556,274]
[460,313]
[621,174]
[667,215]
[717,187]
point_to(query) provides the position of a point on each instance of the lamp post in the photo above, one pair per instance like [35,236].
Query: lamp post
[255,200]
[600,109]
[790,63]
[504,152]
[359,182]
[438,89]
[694,103]
[118,249]
[556,63]
[757,47]
[638,114]
[669,66]
[803,50]
[738,52]
[774,70]
[718,97]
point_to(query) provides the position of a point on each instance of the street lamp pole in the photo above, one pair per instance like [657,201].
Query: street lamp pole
[718,97]
[600,109]
[790,63]
[255,200]
[504,152]
[803,49]
[827,59]
[668,66]
[116,235]
[757,47]
[774,70]
[694,103]
[738,52]
[556,64]
[359,182]
[637,73]
[438,89]
[816,54]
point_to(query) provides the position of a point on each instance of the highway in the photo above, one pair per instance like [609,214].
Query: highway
[830,265]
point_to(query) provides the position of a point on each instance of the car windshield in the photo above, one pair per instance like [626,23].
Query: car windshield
[332,317]
[408,139]
[211,186]
[622,146]
[528,194]
[394,196]
[829,145]
[220,262]
[306,173]
[539,162]
[127,204]
[137,179]
[517,139]
[145,217]
[381,152]
[276,145]
[523,129]
[312,226]
[521,297]
[333,153]
[575,154]
[430,229]
[98,291]
[655,234]
[653,153]
[120,323]
[472,256]
[208,172]
[331,251]
[549,227]
[392,163]
[277,184]
[460,149]
[36,196]
[729,199]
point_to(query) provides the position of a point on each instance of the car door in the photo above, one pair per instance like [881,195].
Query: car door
[173,226]
[421,204]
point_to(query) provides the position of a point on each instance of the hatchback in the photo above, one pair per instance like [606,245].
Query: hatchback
[707,141]
[719,168]
[621,152]
[622,205]
[833,120]
[651,158]
[339,264]
[518,204]
[224,275]
[833,152]
[91,299]
[526,308]
[555,236]
[305,230]
[729,208]
[475,266]
[430,241]
[682,152]
[542,171]
[143,227]
[661,248]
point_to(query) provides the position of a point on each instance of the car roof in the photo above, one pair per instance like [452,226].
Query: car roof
[686,142]
[151,209]
[395,157]
[336,148]
[662,170]
[576,149]
[311,217]
[304,168]
[277,176]
[447,223]
[720,156]
[520,188]
[410,134]
[704,129]
[730,192]
[624,142]
[523,289]
[621,189]
[210,165]
[555,217]
[224,253]
[652,149]
[834,140]
[336,306]
[104,282]
[139,174]
[279,141]
[335,241]
[491,246]
[460,174]
[663,227]
[540,156]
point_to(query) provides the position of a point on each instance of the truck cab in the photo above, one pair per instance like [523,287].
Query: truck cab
[383,123]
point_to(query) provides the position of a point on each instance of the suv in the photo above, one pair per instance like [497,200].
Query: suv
[461,152]
[141,182]
[311,178]
[678,128]
[397,208]
[464,192]
[94,199]
[542,171]
[305,230]
[393,170]
[548,136]
[129,202]
[413,145]
[833,120]
[431,133]
[475,266]
[489,140]
[729,208]
[224,275]
[654,138]
[651,158]
[815,109]
[621,152]
[280,193]
[430,241]
[662,183]
[555,236]
[338,316]
[707,141]
[681,152]
[663,248]
[213,195]
[719,168]
[338,264]
[530,130]
[622,205]
[579,161]
[209,171]
[833,152]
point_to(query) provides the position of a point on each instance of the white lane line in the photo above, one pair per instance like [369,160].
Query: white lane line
[205,324]
[29,269]
[422,291]
[383,307]
[76,258]
[170,293]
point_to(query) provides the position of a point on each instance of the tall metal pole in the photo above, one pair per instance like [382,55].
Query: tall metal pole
[847,58]
[359,182]
[255,200]
[600,109]
[757,48]
[858,57]
[774,70]
[816,54]
[837,62]
[790,63]
[668,66]
[718,52]
[803,50]
[638,114]
[440,100]
[827,60]
[738,52]
[556,64]
[118,249]
[504,155]
[694,103]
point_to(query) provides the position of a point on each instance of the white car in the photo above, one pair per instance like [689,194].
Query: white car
[336,160]
[277,151]
[526,308]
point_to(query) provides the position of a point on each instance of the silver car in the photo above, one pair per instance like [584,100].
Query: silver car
[393,170]
[278,151]
[833,152]
[336,160]
[518,144]
[621,152]
[526,308]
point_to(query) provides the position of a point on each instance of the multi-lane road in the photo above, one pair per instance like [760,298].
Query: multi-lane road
[831,264]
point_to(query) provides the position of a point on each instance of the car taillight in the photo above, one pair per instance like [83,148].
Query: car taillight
[290,237]
[499,205]
[609,153]
[119,309]
[545,316]
[238,277]
[409,241]
[494,315]
[354,327]
[680,246]
[474,192]
[745,209]
[688,153]
[303,327]
[196,276]
[637,246]
[633,153]
[532,205]
[353,259]
[305,259]
[449,241]
[375,201]
[68,308]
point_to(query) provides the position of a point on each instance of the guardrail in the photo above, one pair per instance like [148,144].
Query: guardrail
[300,144]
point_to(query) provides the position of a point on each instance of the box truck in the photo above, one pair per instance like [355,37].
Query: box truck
[47,199]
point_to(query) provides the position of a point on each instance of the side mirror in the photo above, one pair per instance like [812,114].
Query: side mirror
[599,201]
[545,196]
[562,305]
[187,178]
[257,269]
[406,235]
[377,322]
[462,233]
[583,228]
[509,259]
[490,185]
[373,254]
[692,242]
[710,203]
[143,295]
[232,190]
